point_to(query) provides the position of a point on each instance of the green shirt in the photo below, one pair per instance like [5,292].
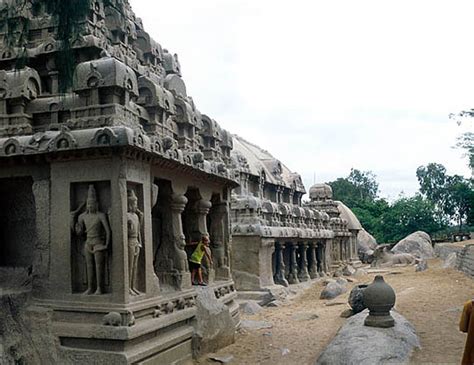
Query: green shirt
[198,253]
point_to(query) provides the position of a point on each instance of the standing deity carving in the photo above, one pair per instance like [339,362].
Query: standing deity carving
[94,227]
[134,236]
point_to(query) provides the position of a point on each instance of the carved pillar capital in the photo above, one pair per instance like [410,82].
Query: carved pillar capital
[178,203]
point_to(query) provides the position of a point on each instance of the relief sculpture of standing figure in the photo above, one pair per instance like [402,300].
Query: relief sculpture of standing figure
[134,224]
[94,226]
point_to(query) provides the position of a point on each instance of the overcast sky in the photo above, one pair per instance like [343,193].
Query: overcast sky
[329,85]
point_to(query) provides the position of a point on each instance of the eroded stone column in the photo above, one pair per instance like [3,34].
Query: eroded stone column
[181,275]
[293,269]
[279,277]
[217,233]
[313,266]
[303,274]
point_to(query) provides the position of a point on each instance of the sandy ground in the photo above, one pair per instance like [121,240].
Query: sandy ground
[431,300]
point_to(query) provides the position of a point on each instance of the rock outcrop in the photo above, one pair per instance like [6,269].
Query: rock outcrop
[214,328]
[356,344]
[332,290]
[418,244]
[366,244]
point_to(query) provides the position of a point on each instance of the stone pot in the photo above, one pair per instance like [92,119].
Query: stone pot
[379,297]
[356,298]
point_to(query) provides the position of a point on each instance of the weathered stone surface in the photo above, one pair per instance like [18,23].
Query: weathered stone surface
[348,270]
[360,272]
[450,261]
[366,244]
[422,266]
[25,332]
[251,307]
[214,325]
[346,313]
[417,244]
[255,325]
[356,298]
[356,344]
[332,290]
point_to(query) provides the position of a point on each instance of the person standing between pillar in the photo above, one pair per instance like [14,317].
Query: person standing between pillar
[202,249]
[466,325]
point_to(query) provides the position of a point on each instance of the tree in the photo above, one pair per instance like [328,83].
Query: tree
[408,215]
[432,179]
[354,190]
[466,142]
[460,198]
[365,182]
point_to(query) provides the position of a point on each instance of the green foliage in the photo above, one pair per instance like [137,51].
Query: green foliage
[408,215]
[466,142]
[451,195]
[358,187]
[387,222]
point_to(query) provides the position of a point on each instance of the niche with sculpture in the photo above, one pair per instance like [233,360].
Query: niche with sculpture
[91,238]
[135,234]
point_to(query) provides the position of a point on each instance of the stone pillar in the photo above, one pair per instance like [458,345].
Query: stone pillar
[293,269]
[202,209]
[181,274]
[313,266]
[303,274]
[279,277]
[217,235]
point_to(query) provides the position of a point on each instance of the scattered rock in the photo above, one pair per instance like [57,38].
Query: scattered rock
[327,281]
[337,273]
[348,270]
[342,281]
[360,272]
[356,298]
[346,313]
[418,244]
[275,304]
[268,334]
[333,303]
[251,307]
[366,244]
[225,359]
[450,262]
[285,352]
[300,317]
[351,280]
[421,266]
[255,325]
[332,290]
[356,344]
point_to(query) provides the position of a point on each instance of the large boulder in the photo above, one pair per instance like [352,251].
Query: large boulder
[356,344]
[418,244]
[333,290]
[214,324]
[366,245]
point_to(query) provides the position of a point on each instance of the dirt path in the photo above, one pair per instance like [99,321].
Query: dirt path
[431,300]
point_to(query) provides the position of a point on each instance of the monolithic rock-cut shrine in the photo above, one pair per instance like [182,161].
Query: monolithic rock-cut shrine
[109,172]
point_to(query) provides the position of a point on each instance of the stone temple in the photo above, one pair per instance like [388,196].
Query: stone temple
[104,184]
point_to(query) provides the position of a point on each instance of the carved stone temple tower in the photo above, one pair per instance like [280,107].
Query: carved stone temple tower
[108,171]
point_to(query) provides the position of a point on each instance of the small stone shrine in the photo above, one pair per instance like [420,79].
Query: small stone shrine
[104,181]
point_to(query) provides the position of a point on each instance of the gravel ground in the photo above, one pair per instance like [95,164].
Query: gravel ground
[431,300]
